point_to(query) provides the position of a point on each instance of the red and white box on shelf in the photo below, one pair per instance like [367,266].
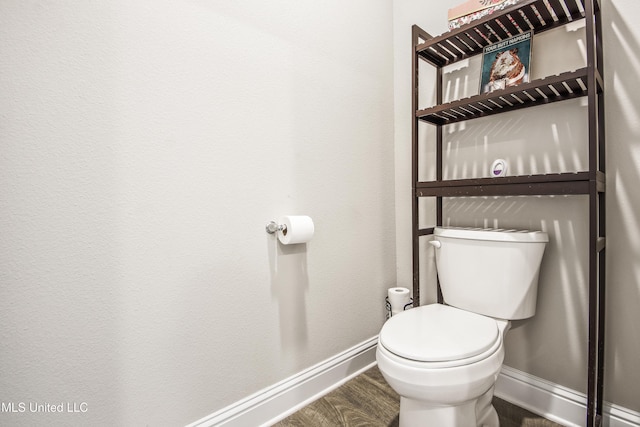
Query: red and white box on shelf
[472,10]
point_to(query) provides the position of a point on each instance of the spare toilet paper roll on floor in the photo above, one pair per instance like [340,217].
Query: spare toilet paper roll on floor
[298,229]
[398,298]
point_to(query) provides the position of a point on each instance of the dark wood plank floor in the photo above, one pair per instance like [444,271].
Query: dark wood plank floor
[368,401]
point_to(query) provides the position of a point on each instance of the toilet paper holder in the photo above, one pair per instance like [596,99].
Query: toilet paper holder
[274,227]
[388,305]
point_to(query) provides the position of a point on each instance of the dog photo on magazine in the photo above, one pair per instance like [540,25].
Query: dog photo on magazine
[506,63]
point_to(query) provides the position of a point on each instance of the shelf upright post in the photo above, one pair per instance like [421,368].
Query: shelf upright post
[601,208]
[416,34]
[595,97]
[439,132]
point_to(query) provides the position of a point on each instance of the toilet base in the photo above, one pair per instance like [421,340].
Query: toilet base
[474,413]
[486,413]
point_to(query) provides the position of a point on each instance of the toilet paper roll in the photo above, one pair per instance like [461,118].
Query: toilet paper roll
[298,229]
[398,298]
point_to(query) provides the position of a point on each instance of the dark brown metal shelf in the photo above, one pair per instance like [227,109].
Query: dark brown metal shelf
[567,183]
[524,185]
[563,86]
[470,39]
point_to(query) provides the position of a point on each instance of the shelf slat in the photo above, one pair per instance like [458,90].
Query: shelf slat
[566,85]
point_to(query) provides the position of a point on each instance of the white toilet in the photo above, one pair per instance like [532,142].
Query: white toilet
[443,360]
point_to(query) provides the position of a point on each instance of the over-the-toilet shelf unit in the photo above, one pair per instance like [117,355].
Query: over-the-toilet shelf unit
[469,40]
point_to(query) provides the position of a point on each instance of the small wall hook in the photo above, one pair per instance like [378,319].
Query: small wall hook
[273,227]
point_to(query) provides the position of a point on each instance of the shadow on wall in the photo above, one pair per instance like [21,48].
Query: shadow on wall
[531,143]
[560,320]
[547,139]
[289,284]
[622,65]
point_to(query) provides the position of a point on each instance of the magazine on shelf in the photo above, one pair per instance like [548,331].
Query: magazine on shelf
[506,63]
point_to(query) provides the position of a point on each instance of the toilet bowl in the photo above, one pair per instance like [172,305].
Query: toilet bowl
[444,360]
[435,386]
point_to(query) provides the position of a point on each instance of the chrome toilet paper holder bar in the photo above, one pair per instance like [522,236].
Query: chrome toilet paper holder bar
[274,227]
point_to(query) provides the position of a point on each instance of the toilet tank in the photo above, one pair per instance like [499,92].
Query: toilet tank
[490,271]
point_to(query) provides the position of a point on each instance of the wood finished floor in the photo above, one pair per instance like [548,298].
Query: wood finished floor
[368,401]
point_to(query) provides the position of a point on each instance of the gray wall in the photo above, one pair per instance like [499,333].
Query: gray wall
[144,146]
[540,140]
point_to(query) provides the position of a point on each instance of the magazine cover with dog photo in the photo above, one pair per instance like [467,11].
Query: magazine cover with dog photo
[506,63]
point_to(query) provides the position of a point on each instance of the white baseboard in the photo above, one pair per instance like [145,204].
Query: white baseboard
[270,405]
[556,403]
[284,398]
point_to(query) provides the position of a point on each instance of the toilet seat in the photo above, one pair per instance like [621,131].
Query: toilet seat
[443,335]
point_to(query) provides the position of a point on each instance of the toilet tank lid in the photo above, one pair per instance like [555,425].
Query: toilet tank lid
[492,234]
